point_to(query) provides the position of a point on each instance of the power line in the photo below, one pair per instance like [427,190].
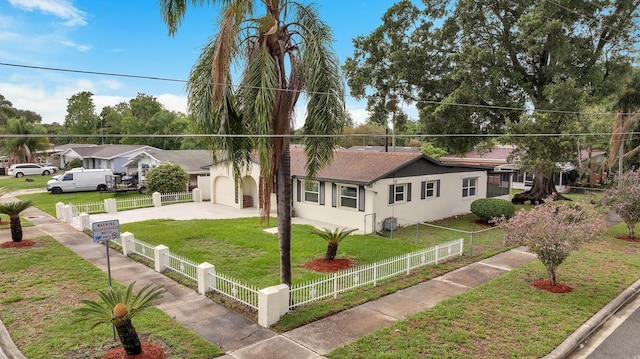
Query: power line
[156,78]
[5,135]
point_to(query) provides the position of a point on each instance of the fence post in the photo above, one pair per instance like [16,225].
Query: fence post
[161,257]
[408,263]
[197,195]
[59,210]
[157,199]
[110,206]
[124,239]
[67,213]
[437,252]
[206,277]
[335,285]
[272,302]
[85,221]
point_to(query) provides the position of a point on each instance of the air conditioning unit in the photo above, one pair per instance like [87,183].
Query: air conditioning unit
[390,224]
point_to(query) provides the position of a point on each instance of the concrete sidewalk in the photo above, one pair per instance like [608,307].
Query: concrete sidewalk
[241,338]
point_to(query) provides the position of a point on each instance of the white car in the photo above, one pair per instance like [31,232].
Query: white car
[29,169]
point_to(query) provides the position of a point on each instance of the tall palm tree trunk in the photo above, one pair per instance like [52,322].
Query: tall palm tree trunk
[284,214]
[128,337]
[16,228]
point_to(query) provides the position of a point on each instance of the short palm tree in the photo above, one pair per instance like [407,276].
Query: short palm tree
[333,239]
[13,209]
[118,306]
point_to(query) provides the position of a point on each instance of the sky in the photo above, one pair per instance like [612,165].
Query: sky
[129,37]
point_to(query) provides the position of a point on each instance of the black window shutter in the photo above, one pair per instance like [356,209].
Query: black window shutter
[438,188]
[299,190]
[408,192]
[361,198]
[391,193]
[321,194]
[334,195]
[423,190]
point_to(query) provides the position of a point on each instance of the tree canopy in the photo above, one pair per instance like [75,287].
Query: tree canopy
[477,68]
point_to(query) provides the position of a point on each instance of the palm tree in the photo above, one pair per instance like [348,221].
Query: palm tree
[13,209]
[23,148]
[118,306]
[286,50]
[333,239]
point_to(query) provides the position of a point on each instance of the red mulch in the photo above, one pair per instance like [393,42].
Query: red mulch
[628,238]
[4,223]
[320,265]
[25,243]
[545,284]
[149,351]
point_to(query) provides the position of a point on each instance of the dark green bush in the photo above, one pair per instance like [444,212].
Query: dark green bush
[489,208]
[75,163]
[166,178]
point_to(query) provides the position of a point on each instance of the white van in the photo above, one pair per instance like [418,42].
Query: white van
[79,179]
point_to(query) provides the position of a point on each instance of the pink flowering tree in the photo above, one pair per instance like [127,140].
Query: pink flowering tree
[552,230]
[624,199]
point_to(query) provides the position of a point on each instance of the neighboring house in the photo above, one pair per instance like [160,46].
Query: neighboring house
[112,157]
[384,149]
[498,156]
[194,162]
[371,190]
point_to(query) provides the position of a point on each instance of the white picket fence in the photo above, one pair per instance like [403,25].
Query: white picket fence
[328,286]
[332,285]
[123,204]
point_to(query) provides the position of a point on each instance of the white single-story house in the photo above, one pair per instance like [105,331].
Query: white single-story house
[111,157]
[498,158]
[194,162]
[371,190]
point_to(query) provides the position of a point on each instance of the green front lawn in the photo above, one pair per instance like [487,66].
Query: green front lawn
[28,182]
[42,285]
[506,317]
[242,249]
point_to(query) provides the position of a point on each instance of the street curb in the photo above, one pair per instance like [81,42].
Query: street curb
[594,323]
[8,349]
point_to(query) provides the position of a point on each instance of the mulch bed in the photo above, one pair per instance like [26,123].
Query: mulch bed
[25,243]
[545,284]
[4,223]
[149,351]
[629,239]
[320,265]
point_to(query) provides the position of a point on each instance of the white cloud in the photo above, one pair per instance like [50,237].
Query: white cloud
[71,15]
[81,48]
[173,102]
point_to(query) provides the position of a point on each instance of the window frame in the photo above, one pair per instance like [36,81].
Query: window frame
[402,193]
[469,184]
[306,192]
[342,197]
[435,191]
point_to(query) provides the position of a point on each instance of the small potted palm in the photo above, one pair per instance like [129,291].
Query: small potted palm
[118,306]
[333,239]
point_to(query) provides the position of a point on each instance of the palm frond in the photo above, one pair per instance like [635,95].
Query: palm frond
[14,208]
[336,236]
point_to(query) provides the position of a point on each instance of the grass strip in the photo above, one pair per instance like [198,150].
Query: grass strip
[507,317]
[42,285]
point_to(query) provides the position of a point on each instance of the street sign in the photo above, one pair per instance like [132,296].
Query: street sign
[105,230]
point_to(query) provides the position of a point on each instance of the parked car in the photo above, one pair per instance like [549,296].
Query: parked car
[31,169]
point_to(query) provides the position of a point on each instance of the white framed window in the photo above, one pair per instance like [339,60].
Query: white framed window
[311,191]
[469,187]
[349,196]
[399,192]
[431,189]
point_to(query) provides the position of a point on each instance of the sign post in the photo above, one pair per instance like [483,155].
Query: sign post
[103,232]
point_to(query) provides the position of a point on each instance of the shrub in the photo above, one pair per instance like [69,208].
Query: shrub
[166,178]
[490,208]
[75,163]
